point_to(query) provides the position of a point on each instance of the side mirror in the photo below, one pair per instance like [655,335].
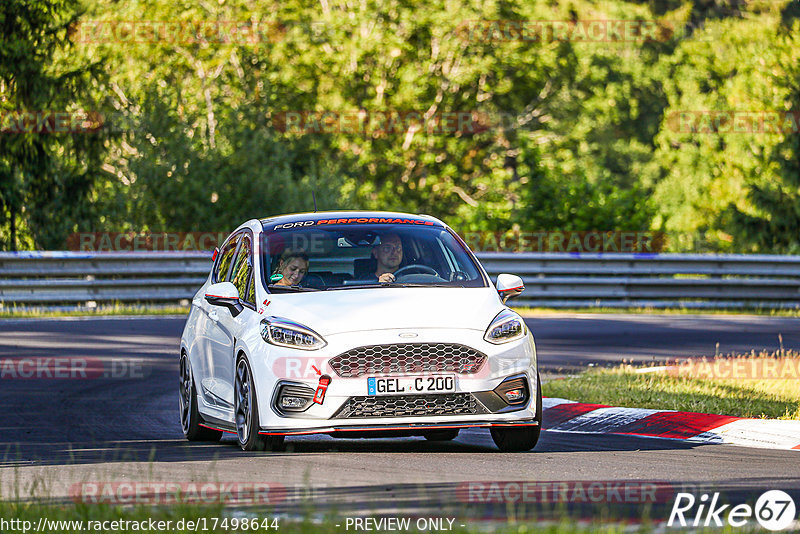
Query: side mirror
[509,285]
[225,294]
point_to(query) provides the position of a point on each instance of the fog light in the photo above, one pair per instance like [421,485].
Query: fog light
[293,398]
[293,402]
[515,395]
[513,391]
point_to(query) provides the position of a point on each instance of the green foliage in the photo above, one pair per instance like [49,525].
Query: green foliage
[773,221]
[719,189]
[574,135]
[46,180]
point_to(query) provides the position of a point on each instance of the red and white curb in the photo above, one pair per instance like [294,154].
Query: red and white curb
[561,415]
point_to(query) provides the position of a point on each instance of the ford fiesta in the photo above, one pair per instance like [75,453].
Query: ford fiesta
[355,325]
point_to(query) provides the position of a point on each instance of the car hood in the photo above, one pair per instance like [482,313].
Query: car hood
[350,310]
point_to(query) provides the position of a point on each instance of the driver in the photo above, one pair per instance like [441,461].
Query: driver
[389,255]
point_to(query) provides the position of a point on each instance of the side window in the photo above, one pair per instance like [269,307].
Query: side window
[243,269]
[251,292]
[226,256]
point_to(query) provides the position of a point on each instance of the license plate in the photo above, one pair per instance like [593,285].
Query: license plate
[405,385]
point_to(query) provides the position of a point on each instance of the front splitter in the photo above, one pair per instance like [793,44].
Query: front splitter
[410,426]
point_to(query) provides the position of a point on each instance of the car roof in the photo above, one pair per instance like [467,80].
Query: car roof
[327,215]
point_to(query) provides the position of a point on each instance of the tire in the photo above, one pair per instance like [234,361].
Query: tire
[524,438]
[442,435]
[190,416]
[245,412]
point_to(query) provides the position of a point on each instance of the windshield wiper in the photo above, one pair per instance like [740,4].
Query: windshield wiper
[390,284]
[357,286]
[291,288]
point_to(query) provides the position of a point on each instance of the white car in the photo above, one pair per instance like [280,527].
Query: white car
[394,330]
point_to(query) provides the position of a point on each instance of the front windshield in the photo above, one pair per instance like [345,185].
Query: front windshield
[349,256]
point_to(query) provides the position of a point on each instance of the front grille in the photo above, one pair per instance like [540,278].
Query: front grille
[410,406]
[407,358]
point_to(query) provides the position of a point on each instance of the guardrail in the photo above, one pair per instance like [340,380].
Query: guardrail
[47,278]
[558,280]
[554,280]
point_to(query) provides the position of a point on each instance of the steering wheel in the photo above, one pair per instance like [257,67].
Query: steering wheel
[423,268]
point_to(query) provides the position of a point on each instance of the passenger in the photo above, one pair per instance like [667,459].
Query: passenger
[389,255]
[292,268]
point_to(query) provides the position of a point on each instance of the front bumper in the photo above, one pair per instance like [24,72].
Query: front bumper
[283,366]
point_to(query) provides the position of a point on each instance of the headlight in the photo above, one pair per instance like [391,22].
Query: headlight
[507,326]
[286,333]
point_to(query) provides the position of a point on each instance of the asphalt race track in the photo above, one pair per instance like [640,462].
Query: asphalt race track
[56,433]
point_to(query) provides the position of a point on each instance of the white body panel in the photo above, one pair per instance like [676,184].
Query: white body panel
[347,319]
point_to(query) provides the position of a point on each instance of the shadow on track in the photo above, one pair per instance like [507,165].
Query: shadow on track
[472,442]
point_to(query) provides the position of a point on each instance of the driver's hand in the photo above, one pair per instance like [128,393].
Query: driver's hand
[386,278]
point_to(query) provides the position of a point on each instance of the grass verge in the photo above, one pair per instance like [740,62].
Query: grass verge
[100,311]
[754,385]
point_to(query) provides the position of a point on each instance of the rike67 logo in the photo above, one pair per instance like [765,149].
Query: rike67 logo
[774,510]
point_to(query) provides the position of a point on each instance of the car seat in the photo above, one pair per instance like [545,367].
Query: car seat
[364,268]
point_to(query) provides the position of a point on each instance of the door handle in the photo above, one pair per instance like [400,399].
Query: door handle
[213,316]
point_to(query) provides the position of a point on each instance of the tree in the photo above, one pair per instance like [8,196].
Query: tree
[708,161]
[773,221]
[196,148]
[574,134]
[51,148]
